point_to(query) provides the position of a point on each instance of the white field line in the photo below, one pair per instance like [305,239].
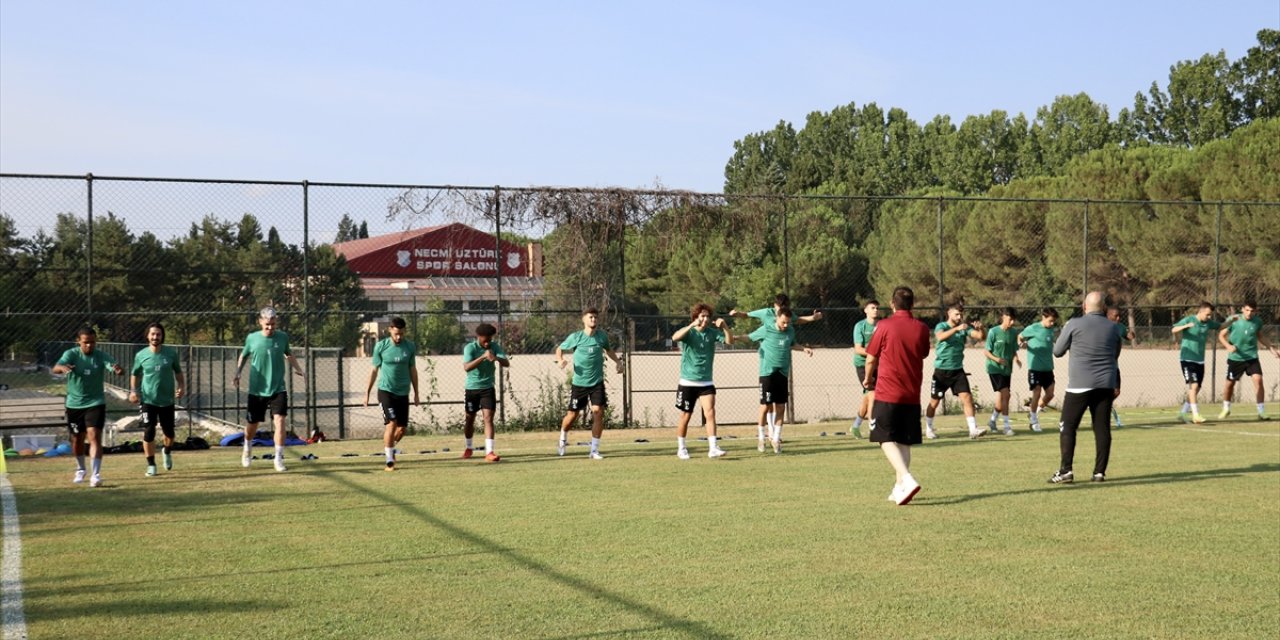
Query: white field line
[15,622]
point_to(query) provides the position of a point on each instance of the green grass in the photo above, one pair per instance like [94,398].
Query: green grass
[1183,541]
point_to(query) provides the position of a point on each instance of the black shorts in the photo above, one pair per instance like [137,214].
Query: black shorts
[773,388]
[579,397]
[1000,381]
[954,380]
[862,375]
[476,399]
[892,422]
[152,415]
[687,397]
[395,408]
[1192,372]
[80,419]
[258,406]
[1237,369]
[1042,379]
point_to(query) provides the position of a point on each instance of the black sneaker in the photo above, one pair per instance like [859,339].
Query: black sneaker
[1098,477]
[1062,477]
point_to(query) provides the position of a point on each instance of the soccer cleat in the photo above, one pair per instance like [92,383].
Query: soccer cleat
[560,448]
[683,454]
[907,491]
[95,480]
[1099,477]
[760,445]
[893,495]
[167,458]
[280,464]
[777,445]
[1035,426]
[244,460]
[716,453]
[930,434]
[492,457]
[151,471]
[856,432]
[1197,418]
[1062,477]
[977,432]
[1222,415]
[391,466]
[466,453]
[1182,416]
[1008,431]
[595,455]
[79,477]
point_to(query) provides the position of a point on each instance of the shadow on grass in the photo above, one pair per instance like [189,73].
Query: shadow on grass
[662,619]
[1154,478]
[42,611]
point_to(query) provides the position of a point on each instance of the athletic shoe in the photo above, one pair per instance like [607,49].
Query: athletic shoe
[1222,415]
[1062,477]
[908,491]
[991,425]
[1197,418]
[151,471]
[976,433]
[560,448]
[1099,477]
[595,455]
[244,460]
[1035,426]
[1008,431]
[280,464]
[1263,417]
[683,454]
[79,477]
[856,432]
[95,480]
[167,458]
[760,445]
[930,434]
[391,466]
[893,495]
[1182,416]
[777,445]
[716,453]
[466,453]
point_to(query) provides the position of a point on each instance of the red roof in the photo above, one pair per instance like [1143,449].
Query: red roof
[451,250]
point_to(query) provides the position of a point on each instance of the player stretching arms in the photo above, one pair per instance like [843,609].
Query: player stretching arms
[589,348]
[697,357]
[1038,339]
[1241,340]
[776,343]
[948,369]
[1002,354]
[477,360]
[1193,331]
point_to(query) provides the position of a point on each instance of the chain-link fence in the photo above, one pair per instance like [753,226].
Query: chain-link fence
[337,260]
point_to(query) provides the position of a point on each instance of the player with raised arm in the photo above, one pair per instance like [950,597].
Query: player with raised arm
[589,347]
[479,358]
[1038,339]
[1241,341]
[1192,332]
[395,372]
[948,369]
[767,317]
[777,341]
[697,342]
[156,383]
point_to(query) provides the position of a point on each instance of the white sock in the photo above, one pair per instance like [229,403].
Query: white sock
[248,446]
[1195,410]
[857,422]
[1006,421]
[994,414]
[595,445]
[1186,406]
[928,423]
[564,437]
[1226,405]
[488,445]
[469,443]
[1035,416]
[1262,408]
[777,431]
[760,432]
[679,442]
[711,440]
[97,466]
[972,422]
[79,463]
[771,418]
[391,453]
[279,453]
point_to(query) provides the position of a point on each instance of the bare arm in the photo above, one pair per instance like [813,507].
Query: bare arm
[683,331]
[1222,340]
[373,377]
[181,388]
[413,380]
[560,357]
[239,365]
[134,381]
[613,356]
[724,327]
[870,369]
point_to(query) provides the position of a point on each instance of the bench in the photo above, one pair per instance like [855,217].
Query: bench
[23,410]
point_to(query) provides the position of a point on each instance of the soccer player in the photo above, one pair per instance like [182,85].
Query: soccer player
[948,369]
[776,340]
[267,352]
[1093,383]
[1126,336]
[1193,331]
[478,359]
[895,358]
[157,381]
[86,402]
[589,347]
[862,333]
[697,357]
[395,371]
[1002,355]
[1241,341]
[766,317]
[1038,339]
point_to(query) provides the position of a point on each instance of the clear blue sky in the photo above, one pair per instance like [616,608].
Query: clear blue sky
[545,93]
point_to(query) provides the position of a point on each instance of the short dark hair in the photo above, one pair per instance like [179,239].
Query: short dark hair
[1009,311]
[86,330]
[1049,311]
[904,299]
[157,325]
[397,322]
[1205,304]
[1251,303]
[486,330]
[872,301]
[591,311]
[782,300]
[699,308]
[785,311]
[957,306]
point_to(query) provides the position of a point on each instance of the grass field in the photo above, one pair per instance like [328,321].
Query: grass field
[1182,541]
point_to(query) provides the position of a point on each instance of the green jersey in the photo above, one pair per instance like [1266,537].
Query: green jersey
[950,351]
[1122,330]
[1039,347]
[84,381]
[775,348]
[1001,344]
[158,373]
[395,364]
[862,333]
[267,362]
[588,356]
[481,377]
[698,353]
[1194,336]
[1244,335]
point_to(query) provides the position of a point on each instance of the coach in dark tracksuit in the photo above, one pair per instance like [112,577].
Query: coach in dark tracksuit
[1091,384]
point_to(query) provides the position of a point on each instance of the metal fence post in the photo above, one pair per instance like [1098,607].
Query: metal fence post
[626,313]
[342,399]
[88,254]
[942,290]
[1217,279]
[1084,289]
[310,373]
[497,242]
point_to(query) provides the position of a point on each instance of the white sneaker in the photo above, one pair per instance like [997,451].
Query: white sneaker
[245,460]
[907,491]
[716,453]
[760,445]
[595,455]
[777,445]
[79,477]
[683,454]
[1008,431]
[930,434]
[280,464]
[560,448]
[95,480]
[1035,426]
[976,433]
[893,495]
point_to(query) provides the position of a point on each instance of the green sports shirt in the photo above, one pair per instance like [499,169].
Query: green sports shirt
[1244,335]
[1122,330]
[157,373]
[1039,347]
[862,333]
[481,377]
[698,353]
[1002,344]
[1193,339]
[395,363]
[84,381]
[950,351]
[588,356]
[775,348]
[267,362]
